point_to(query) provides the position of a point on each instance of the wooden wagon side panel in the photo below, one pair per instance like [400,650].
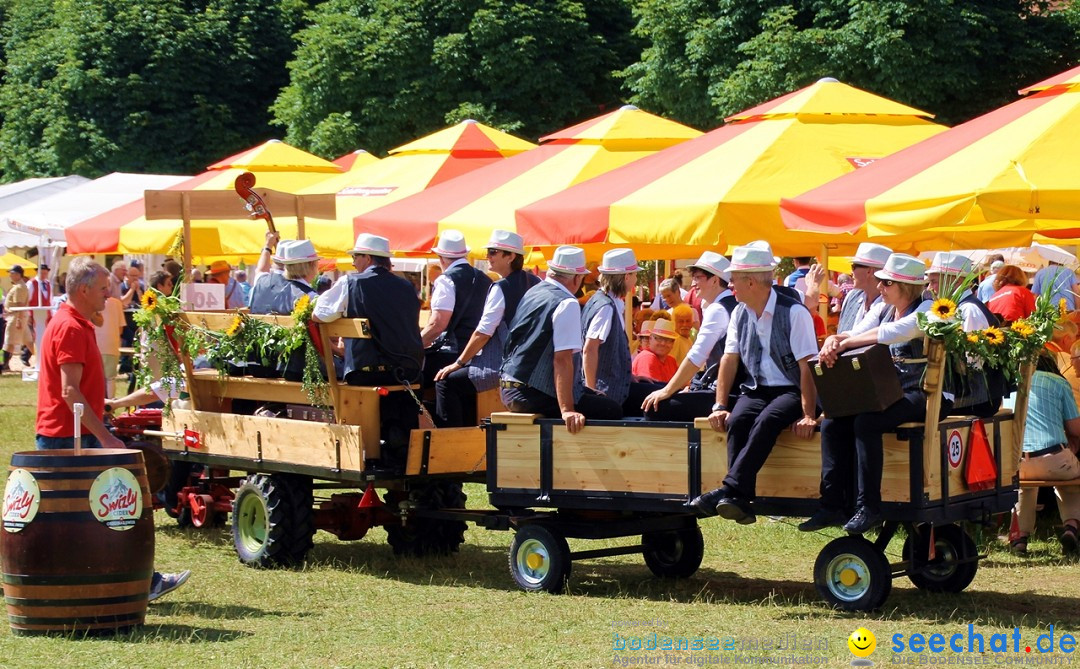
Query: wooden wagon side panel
[277,439]
[620,459]
[518,456]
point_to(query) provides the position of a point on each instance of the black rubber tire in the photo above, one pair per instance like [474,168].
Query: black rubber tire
[272,520]
[421,537]
[539,559]
[857,559]
[943,574]
[675,553]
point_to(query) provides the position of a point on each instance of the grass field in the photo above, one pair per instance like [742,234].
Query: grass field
[355,605]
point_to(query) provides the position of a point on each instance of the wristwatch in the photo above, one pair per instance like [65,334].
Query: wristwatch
[719,407]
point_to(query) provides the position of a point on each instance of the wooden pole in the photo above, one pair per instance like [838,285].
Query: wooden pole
[300,227]
[185,215]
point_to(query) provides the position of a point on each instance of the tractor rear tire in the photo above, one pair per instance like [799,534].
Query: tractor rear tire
[272,520]
[420,537]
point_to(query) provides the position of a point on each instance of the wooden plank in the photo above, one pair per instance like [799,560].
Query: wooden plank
[452,450]
[488,403]
[359,405]
[226,205]
[283,440]
[352,328]
[620,459]
[1038,483]
[518,456]
[932,384]
[207,383]
[220,321]
[510,418]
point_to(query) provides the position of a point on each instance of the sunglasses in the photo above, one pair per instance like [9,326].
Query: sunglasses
[491,252]
[888,282]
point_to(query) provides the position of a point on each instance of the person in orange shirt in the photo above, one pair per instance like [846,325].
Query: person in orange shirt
[683,317]
[655,363]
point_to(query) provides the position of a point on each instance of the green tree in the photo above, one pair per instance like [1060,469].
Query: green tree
[954,58]
[376,73]
[93,86]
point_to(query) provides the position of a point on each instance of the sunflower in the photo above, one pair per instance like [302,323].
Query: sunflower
[149,300]
[1063,308]
[1022,328]
[973,337]
[234,327]
[943,308]
[994,336]
[300,307]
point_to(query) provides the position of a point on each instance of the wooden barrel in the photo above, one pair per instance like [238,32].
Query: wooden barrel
[77,544]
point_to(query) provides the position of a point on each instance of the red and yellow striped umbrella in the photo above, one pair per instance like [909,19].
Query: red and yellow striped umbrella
[355,160]
[276,165]
[993,181]
[409,169]
[725,186]
[486,198]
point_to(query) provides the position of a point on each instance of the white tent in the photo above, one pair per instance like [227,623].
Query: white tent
[24,193]
[47,218]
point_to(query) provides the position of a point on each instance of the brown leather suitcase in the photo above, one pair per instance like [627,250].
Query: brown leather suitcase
[862,380]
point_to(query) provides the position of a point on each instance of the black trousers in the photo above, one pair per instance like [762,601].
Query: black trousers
[524,399]
[455,400]
[398,414]
[639,390]
[684,407]
[851,450]
[757,419]
[433,362]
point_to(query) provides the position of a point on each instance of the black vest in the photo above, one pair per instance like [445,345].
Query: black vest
[470,289]
[613,368]
[530,349]
[390,304]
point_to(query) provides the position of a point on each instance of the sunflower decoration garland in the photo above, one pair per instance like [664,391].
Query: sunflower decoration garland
[153,348]
[1004,348]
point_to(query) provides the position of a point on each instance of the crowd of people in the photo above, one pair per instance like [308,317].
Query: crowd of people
[732,347]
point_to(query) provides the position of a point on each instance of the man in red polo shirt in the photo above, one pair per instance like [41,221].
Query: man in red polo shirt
[70,364]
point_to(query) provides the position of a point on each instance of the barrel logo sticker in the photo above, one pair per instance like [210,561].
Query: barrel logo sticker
[21,499]
[956,449]
[115,499]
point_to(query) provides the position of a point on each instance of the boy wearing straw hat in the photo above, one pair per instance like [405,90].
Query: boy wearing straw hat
[457,302]
[541,370]
[772,334]
[655,362]
[476,369]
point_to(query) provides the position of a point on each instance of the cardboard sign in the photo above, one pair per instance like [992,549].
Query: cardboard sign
[202,297]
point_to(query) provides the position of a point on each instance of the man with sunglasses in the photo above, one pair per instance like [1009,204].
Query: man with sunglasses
[476,368]
[869,258]
[457,302]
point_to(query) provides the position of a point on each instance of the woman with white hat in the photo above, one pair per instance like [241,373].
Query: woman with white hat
[605,357]
[893,322]
[477,367]
[279,293]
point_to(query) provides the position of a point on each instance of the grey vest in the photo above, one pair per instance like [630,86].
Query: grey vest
[530,348]
[851,310]
[274,294]
[484,367]
[750,350]
[613,368]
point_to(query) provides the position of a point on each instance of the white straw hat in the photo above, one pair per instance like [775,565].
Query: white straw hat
[751,259]
[903,268]
[871,255]
[568,260]
[714,264]
[950,263]
[504,240]
[372,245]
[451,245]
[618,261]
[662,327]
[294,251]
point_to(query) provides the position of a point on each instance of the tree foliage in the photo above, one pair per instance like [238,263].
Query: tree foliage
[377,73]
[91,86]
[956,58]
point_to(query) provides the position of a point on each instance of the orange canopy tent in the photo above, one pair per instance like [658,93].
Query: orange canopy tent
[276,165]
[423,163]
[486,198]
[991,182]
[725,187]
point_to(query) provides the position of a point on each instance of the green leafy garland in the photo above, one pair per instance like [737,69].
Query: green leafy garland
[245,339]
